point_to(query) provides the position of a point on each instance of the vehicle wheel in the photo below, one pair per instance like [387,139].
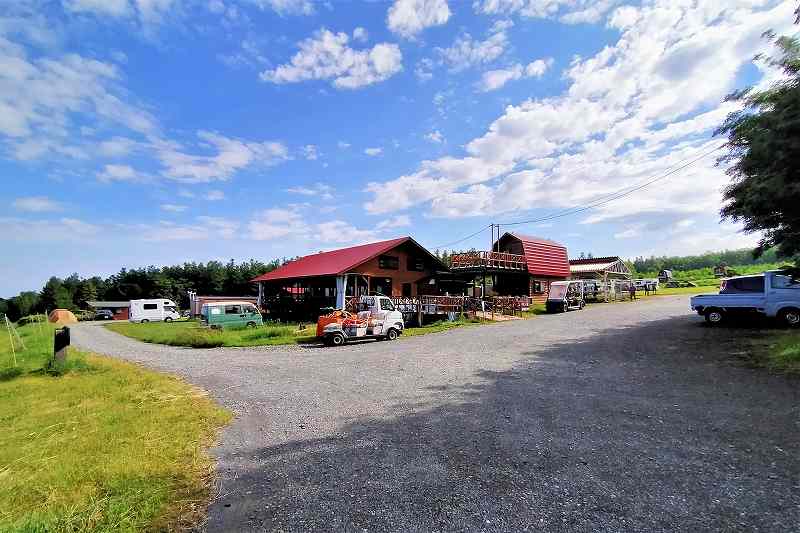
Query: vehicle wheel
[336,339]
[168,319]
[145,321]
[251,325]
[391,334]
[790,317]
[565,308]
[583,304]
[714,316]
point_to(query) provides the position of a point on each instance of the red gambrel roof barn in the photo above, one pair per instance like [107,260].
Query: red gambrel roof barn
[543,257]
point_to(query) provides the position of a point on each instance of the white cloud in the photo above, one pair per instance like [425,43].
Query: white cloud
[409,17]
[343,145]
[173,208]
[70,229]
[117,147]
[320,190]
[373,152]
[185,193]
[287,7]
[41,98]
[214,195]
[466,52]
[278,223]
[567,11]
[435,137]
[231,155]
[111,173]
[360,34]
[629,233]
[36,204]
[310,152]
[327,56]
[495,79]
[399,221]
[146,12]
[633,111]
[424,69]
[222,227]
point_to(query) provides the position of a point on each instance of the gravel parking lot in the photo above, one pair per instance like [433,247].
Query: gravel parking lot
[621,417]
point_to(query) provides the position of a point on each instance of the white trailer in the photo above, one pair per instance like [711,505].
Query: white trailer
[153,310]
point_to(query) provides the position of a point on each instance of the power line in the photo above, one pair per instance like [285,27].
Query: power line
[463,239]
[602,200]
[621,193]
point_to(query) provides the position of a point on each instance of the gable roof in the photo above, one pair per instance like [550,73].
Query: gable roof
[599,264]
[335,262]
[542,256]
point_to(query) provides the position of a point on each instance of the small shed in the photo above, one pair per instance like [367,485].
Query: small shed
[120,310]
[599,268]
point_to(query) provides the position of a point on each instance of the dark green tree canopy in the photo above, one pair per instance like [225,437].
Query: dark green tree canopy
[764,153]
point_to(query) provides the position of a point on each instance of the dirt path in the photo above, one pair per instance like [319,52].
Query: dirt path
[618,417]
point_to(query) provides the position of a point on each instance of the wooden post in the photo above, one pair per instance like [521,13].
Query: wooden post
[419,311]
[11,340]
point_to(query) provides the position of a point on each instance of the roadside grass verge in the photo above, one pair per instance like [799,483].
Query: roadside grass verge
[784,356]
[441,325]
[105,446]
[192,334]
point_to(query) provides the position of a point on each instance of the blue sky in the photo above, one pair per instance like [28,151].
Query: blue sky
[138,132]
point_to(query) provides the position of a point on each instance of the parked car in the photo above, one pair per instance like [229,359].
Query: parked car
[377,318]
[153,310]
[565,296]
[230,315]
[104,314]
[775,294]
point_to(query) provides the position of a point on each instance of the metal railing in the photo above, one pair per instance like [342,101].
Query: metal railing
[484,259]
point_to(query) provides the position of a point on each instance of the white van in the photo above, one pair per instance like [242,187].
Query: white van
[153,310]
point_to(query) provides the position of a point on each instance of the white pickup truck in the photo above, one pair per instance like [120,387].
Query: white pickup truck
[775,294]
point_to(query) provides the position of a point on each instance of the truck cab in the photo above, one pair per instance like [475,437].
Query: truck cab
[775,294]
[375,318]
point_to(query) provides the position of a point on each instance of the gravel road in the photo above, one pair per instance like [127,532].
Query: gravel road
[623,417]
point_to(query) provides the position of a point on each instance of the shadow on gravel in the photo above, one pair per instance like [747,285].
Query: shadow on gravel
[636,429]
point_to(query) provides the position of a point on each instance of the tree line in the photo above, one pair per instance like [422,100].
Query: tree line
[172,282]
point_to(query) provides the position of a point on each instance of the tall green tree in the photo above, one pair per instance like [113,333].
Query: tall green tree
[763,150]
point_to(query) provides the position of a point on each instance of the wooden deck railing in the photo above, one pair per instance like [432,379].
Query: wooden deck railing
[484,259]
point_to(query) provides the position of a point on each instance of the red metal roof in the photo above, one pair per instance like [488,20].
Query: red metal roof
[594,260]
[544,257]
[331,263]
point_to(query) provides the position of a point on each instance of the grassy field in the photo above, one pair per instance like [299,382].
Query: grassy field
[783,355]
[104,446]
[190,333]
[705,276]
[439,326]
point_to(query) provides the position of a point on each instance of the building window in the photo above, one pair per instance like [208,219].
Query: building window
[416,264]
[537,287]
[389,262]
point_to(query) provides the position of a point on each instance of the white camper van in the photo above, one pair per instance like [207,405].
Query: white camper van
[153,310]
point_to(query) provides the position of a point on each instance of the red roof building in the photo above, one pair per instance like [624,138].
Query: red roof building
[518,265]
[396,267]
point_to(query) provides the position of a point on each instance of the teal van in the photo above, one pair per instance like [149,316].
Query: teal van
[222,315]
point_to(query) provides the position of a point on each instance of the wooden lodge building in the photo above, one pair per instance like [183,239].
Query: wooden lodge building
[397,267]
[519,265]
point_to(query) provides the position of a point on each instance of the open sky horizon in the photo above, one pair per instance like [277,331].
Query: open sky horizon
[153,132]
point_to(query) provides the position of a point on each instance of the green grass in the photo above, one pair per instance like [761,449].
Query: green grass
[105,446]
[191,333]
[705,276]
[665,291]
[439,326]
[784,354]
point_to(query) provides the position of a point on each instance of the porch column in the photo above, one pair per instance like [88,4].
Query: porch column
[260,296]
[341,289]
